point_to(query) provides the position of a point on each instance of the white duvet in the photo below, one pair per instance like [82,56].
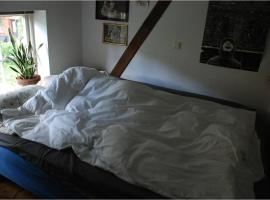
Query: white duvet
[177,146]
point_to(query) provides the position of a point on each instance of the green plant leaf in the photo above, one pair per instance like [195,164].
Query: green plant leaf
[41,45]
[19,52]
[30,50]
[23,58]
[15,70]
[13,42]
[13,60]
[19,56]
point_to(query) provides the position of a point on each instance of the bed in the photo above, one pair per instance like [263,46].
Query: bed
[149,148]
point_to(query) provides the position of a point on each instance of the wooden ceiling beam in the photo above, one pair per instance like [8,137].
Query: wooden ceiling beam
[140,37]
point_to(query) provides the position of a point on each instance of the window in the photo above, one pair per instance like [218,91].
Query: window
[20,26]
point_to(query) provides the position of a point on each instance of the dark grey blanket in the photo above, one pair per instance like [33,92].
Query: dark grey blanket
[71,171]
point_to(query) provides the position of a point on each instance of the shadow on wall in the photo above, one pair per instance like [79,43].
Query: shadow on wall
[155,70]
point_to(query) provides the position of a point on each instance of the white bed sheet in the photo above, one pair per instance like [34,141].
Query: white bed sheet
[174,145]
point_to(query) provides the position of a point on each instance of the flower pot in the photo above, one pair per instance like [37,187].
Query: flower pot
[32,81]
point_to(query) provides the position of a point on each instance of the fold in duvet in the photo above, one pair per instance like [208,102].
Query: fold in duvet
[180,147]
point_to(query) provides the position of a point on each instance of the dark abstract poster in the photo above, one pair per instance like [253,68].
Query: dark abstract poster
[235,34]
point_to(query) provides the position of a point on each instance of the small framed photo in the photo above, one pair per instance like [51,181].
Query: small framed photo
[142,3]
[112,10]
[115,33]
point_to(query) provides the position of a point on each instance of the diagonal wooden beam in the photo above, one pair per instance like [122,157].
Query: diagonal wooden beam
[140,37]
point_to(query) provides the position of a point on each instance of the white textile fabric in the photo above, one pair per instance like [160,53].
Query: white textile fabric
[180,147]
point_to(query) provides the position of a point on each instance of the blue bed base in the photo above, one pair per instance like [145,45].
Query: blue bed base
[31,178]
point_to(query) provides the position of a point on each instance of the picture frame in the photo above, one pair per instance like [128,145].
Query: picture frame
[116,34]
[142,3]
[112,10]
[233,39]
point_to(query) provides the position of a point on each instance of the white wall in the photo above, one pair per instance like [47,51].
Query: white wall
[157,62]
[41,37]
[75,38]
[63,28]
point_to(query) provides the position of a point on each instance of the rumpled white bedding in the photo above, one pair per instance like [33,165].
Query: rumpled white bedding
[177,146]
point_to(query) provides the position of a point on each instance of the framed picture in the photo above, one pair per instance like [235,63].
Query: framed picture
[142,2]
[235,34]
[115,33]
[112,10]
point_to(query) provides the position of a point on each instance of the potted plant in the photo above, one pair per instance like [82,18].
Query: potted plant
[22,57]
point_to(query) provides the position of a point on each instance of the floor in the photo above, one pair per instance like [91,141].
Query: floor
[9,190]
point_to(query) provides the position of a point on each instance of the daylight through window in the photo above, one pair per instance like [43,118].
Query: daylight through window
[19,24]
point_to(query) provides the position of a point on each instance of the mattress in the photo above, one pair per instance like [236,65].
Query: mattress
[71,172]
[66,167]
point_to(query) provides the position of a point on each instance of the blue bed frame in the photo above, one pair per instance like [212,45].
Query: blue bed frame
[31,178]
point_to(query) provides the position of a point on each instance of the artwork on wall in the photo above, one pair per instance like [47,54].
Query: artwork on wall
[112,10]
[235,34]
[142,2]
[115,33]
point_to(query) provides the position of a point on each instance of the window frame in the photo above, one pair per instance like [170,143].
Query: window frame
[29,30]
